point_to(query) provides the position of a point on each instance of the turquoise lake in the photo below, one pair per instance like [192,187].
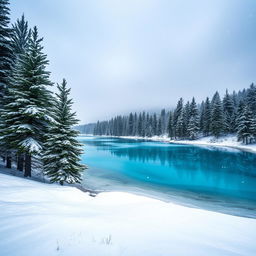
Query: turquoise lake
[221,179]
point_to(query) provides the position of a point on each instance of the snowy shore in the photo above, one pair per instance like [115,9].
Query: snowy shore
[46,219]
[224,141]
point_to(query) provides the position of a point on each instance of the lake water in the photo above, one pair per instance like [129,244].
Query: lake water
[219,179]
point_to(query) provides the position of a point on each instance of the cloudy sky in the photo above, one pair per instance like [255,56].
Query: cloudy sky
[126,55]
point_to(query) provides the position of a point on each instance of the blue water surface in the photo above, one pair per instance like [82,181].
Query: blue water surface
[218,176]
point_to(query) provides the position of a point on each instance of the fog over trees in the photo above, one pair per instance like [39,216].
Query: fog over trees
[234,113]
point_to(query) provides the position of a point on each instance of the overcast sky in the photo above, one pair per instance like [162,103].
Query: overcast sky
[125,55]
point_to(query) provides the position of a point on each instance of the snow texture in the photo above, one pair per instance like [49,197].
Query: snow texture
[45,219]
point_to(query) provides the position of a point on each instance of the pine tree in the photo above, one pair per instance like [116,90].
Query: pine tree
[216,115]
[6,53]
[251,98]
[6,63]
[187,116]
[20,36]
[193,125]
[207,117]
[135,121]
[170,126]
[229,113]
[246,125]
[61,150]
[163,116]
[201,116]
[140,125]
[27,112]
[143,131]
[180,126]
[177,113]
[159,126]
[149,126]
[20,42]
[154,125]
[131,123]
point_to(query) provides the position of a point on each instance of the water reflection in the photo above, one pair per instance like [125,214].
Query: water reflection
[207,171]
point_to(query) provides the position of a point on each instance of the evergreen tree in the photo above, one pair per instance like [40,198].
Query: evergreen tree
[251,98]
[207,117]
[26,113]
[163,116]
[216,115]
[61,150]
[20,42]
[6,53]
[187,116]
[246,125]
[140,125]
[149,126]
[143,130]
[228,113]
[193,125]
[135,125]
[180,126]
[177,113]
[159,127]
[6,62]
[154,125]
[201,116]
[20,36]
[131,123]
[170,126]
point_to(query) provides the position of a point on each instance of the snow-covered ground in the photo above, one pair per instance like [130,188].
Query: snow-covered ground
[224,141]
[44,219]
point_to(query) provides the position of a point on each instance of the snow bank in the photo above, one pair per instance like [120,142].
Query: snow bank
[224,141]
[43,219]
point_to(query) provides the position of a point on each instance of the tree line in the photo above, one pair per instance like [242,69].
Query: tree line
[35,124]
[233,114]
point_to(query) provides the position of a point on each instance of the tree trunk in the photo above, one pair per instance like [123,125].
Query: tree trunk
[4,158]
[9,162]
[27,172]
[20,163]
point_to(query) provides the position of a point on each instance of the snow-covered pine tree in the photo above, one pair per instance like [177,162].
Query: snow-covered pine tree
[180,126]
[251,98]
[207,117]
[159,126]
[20,36]
[228,113]
[62,151]
[150,126]
[140,125]
[154,125]
[216,115]
[186,118]
[134,130]
[177,113]
[131,123]
[20,42]
[170,126]
[143,124]
[6,63]
[193,125]
[246,124]
[29,101]
[201,116]
[163,117]
[6,53]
